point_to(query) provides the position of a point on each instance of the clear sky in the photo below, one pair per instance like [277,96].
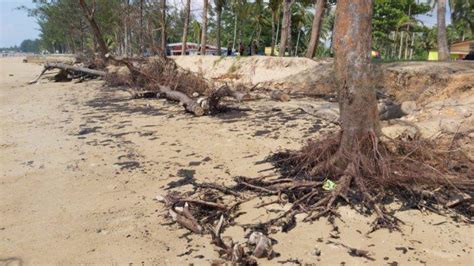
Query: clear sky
[16,26]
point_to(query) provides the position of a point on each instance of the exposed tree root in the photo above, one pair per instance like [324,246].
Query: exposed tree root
[395,170]
[317,179]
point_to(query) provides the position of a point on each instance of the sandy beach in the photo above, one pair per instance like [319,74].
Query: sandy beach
[82,163]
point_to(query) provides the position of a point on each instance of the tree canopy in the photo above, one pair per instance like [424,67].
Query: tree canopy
[125,24]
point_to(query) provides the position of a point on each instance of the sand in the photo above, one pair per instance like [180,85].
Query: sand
[81,164]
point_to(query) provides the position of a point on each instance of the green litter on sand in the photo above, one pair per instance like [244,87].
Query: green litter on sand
[329,185]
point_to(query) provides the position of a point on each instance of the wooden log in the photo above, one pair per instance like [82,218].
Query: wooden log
[38,78]
[211,103]
[75,70]
[189,104]
[280,96]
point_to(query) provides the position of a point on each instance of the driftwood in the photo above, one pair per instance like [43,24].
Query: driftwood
[211,103]
[188,103]
[263,245]
[76,70]
[186,219]
[280,96]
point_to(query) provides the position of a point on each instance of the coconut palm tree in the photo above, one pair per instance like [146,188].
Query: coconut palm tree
[204,27]
[274,6]
[187,14]
[319,7]
[462,15]
[241,10]
[302,18]
[196,26]
[219,5]
[442,40]
[285,26]
[163,27]
[443,50]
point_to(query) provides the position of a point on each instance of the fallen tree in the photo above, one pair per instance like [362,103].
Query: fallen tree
[162,74]
[75,71]
[158,77]
[279,96]
[189,104]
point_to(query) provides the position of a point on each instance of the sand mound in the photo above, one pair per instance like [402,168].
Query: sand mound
[292,74]
[427,81]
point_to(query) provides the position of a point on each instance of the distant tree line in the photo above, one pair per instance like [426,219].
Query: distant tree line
[26,46]
[298,27]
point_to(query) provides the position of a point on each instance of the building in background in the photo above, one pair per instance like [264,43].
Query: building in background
[458,51]
[193,49]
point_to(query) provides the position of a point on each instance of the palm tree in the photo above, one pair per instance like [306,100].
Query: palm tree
[442,40]
[443,50]
[274,6]
[163,27]
[196,26]
[219,6]
[242,10]
[285,26]
[204,27]
[462,13]
[258,21]
[235,8]
[403,26]
[185,27]
[302,19]
[319,6]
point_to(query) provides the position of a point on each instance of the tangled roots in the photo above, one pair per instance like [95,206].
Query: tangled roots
[148,74]
[416,173]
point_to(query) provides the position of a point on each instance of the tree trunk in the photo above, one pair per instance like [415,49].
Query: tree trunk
[412,45]
[125,28]
[204,27]
[163,27]
[82,36]
[356,93]
[272,53]
[443,51]
[289,42]
[407,39]
[234,40]
[186,26]
[125,39]
[189,104]
[297,41]
[278,28]
[89,14]
[401,46]
[319,6]
[408,34]
[257,39]
[285,26]
[140,32]
[218,30]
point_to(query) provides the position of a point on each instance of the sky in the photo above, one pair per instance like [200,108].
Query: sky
[16,26]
